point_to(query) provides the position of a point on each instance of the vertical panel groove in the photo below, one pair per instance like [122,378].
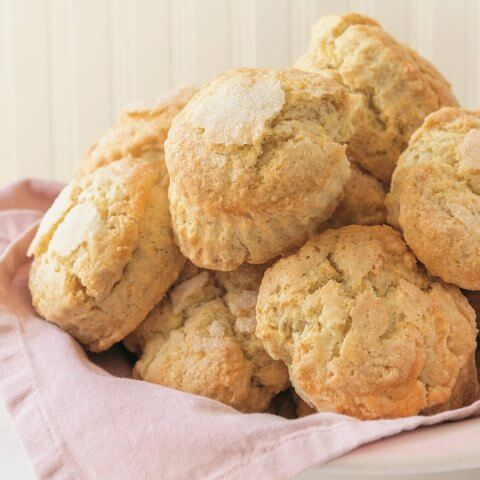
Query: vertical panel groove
[469,52]
[168,15]
[51,139]
[289,33]
[477,56]
[9,167]
[229,22]
[73,82]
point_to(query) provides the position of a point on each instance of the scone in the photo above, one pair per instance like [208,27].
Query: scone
[393,88]
[434,197]
[140,132]
[104,254]
[363,202]
[363,329]
[256,164]
[201,339]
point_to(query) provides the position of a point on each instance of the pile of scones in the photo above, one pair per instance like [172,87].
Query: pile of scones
[305,231]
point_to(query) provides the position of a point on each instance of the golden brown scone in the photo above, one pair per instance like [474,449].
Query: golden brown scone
[363,202]
[434,197]
[256,164]
[362,328]
[140,132]
[201,339]
[393,88]
[104,253]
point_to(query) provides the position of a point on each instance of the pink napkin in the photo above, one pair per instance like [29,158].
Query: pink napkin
[81,417]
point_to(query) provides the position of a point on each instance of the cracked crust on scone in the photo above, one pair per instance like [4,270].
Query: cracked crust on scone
[104,254]
[435,196]
[363,329]
[201,339]
[393,89]
[140,132]
[363,202]
[256,163]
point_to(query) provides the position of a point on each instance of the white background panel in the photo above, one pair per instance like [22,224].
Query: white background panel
[67,67]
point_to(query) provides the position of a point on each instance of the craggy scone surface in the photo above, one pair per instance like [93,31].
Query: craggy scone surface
[104,253]
[435,196]
[362,328]
[256,164]
[201,339]
[393,88]
[140,132]
[363,201]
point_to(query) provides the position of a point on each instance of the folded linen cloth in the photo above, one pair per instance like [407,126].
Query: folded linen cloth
[81,417]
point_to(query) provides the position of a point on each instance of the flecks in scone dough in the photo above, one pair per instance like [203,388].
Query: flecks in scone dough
[104,253]
[256,163]
[435,196]
[363,329]
[201,339]
[393,89]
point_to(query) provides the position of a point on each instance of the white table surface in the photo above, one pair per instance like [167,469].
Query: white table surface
[14,464]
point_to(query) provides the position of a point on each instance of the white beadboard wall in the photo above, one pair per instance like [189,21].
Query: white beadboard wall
[68,66]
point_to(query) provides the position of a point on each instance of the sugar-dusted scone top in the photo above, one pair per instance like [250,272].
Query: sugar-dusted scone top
[104,253]
[140,132]
[435,196]
[363,201]
[362,328]
[256,163]
[201,339]
[393,88]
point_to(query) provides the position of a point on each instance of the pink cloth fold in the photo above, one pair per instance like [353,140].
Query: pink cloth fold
[81,417]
